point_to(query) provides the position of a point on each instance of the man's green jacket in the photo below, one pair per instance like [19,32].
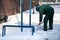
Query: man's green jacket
[44,9]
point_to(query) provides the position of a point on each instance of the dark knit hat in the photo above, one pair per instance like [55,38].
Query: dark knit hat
[37,8]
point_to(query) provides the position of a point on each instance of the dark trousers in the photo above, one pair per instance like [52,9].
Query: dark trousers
[50,18]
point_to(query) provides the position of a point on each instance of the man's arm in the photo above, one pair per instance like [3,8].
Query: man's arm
[40,15]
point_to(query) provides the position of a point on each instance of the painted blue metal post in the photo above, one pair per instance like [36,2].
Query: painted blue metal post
[22,15]
[3,31]
[30,16]
[30,13]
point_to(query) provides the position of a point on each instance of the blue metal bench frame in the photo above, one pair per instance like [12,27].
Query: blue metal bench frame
[4,28]
[22,26]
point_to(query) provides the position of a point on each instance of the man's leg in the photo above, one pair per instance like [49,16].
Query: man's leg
[45,23]
[51,22]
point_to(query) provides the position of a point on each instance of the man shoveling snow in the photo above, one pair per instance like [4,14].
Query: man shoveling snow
[48,11]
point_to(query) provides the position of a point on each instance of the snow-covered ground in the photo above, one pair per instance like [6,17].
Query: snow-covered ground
[39,34]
